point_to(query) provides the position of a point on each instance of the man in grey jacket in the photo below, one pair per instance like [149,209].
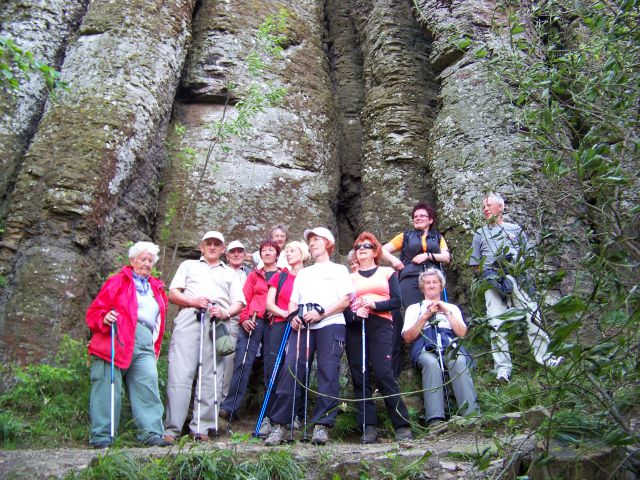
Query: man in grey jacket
[496,245]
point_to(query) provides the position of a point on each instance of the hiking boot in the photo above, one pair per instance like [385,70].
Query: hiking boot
[276,437]
[297,424]
[370,434]
[156,441]
[169,439]
[101,445]
[503,376]
[320,435]
[403,433]
[199,437]
[265,428]
[223,414]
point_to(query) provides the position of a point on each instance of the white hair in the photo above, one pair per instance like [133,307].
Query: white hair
[429,272]
[496,197]
[140,247]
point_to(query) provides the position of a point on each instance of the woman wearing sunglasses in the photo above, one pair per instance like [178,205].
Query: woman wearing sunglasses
[377,293]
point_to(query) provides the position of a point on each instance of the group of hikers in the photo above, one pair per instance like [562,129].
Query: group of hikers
[290,315]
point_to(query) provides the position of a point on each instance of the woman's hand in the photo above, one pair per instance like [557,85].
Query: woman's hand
[362,312]
[397,264]
[368,303]
[110,317]
[249,324]
[423,257]
[312,316]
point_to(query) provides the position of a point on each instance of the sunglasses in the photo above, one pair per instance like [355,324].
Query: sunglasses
[367,245]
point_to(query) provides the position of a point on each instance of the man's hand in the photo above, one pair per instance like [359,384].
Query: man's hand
[200,302]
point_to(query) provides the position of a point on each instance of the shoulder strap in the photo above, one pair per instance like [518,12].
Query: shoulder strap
[282,276]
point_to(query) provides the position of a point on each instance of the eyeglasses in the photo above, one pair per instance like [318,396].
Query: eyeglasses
[415,217]
[367,245]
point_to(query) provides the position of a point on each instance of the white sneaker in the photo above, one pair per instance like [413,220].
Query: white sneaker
[553,361]
[503,376]
[320,434]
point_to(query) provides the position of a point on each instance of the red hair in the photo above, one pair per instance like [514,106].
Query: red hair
[371,238]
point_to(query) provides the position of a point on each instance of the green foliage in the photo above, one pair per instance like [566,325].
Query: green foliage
[17,63]
[194,464]
[48,401]
[570,70]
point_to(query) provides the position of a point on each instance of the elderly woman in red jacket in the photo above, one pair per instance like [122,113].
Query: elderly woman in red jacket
[135,303]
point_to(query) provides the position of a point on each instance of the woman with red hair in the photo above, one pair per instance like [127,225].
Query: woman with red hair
[377,293]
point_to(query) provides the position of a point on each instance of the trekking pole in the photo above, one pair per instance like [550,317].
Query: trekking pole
[200,316]
[364,368]
[300,313]
[272,379]
[306,382]
[113,386]
[244,361]
[445,297]
[213,321]
[445,390]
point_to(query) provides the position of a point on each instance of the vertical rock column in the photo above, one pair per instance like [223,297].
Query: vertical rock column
[42,30]
[285,170]
[345,58]
[400,103]
[122,69]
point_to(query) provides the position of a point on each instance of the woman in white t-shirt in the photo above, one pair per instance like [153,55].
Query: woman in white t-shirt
[422,323]
[324,291]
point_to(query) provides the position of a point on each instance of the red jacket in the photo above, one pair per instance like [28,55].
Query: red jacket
[119,292]
[255,292]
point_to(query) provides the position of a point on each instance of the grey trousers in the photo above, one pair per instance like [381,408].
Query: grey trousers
[184,350]
[141,379]
[460,381]
[227,362]
[538,339]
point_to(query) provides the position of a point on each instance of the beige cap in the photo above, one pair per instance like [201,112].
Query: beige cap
[212,234]
[320,232]
[235,244]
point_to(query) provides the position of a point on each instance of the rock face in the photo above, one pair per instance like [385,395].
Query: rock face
[382,110]
[90,162]
[44,31]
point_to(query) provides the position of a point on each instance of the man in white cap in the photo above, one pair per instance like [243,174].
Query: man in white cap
[235,259]
[324,289]
[206,283]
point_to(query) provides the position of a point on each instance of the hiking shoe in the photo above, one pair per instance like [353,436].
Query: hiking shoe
[503,376]
[223,414]
[101,445]
[276,437]
[169,439]
[320,435]
[553,361]
[403,433]
[297,423]
[156,441]
[199,437]
[265,428]
[370,434]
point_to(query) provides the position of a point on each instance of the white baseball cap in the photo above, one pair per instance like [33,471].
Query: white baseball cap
[212,234]
[235,244]
[320,232]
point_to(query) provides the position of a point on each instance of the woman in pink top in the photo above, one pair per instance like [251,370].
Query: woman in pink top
[377,293]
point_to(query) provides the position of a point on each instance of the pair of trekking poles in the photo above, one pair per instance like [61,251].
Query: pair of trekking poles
[274,374]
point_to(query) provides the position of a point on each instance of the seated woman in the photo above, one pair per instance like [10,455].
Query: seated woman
[422,323]
[377,294]
[132,307]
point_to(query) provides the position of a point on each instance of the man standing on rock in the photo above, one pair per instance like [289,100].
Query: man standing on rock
[207,283]
[496,248]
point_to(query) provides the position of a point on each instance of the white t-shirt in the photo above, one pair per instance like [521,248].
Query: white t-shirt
[323,283]
[414,311]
